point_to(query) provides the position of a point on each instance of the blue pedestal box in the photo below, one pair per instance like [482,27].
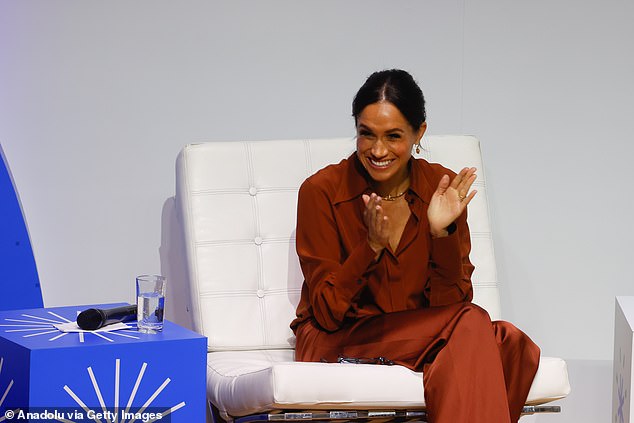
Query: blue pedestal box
[120,376]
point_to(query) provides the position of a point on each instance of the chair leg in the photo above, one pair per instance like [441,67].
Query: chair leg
[360,416]
[213,415]
[538,409]
[337,416]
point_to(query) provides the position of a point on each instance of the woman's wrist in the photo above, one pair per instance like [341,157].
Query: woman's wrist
[377,248]
[441,233]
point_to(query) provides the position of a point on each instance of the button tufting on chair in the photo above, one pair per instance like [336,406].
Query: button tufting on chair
[251,367]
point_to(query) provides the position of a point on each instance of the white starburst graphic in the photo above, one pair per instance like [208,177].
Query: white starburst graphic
[38,326]
[115,407]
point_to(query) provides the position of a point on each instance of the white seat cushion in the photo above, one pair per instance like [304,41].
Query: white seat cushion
[245,382]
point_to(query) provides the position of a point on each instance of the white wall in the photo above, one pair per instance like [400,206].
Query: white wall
[97,98]
[548,88]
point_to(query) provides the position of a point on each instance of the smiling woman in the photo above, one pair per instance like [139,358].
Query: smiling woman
[384,247]
[384,146]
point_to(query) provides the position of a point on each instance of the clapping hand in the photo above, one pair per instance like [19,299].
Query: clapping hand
[376,222]
[450,200]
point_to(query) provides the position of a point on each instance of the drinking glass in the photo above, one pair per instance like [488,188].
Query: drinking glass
[150,301]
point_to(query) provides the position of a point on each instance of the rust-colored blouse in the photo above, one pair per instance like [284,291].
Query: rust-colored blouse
[342,279]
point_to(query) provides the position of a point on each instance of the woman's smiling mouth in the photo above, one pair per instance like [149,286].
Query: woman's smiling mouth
[380,164]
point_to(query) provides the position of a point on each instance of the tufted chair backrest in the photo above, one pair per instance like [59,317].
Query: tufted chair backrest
[237,203]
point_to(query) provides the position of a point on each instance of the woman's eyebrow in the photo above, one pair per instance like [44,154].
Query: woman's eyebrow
[392,130]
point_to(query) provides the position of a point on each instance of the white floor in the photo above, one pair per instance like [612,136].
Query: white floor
[591,398]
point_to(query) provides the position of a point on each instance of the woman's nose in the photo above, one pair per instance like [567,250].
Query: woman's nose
[379,149]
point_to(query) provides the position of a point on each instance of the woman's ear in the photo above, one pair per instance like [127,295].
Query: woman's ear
[421,131]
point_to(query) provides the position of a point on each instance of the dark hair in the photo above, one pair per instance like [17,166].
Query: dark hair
[396,86]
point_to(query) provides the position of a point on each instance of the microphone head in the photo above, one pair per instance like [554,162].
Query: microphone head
[91,319]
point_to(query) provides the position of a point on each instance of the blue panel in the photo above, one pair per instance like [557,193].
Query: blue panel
[19,283]
[14,374]
[163,373]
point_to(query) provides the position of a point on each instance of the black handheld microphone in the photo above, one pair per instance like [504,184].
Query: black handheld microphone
[95,318]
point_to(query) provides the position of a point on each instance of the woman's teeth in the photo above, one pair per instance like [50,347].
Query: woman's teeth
[383,163]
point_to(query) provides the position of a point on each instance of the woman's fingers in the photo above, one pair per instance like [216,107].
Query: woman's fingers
[371,201]
[376,221]
[443,185]
[379,216]
[458,178]
[468,198]
[463,181]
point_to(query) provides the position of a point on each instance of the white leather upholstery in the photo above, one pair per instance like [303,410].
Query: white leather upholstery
[250,381]
[237,203]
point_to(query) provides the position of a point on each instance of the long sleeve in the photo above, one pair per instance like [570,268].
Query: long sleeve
[342,279]
[450,267]
[332,281]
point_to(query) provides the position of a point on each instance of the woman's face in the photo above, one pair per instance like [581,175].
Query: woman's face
[384,143]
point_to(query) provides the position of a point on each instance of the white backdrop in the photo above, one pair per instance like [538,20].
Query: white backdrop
[97,98]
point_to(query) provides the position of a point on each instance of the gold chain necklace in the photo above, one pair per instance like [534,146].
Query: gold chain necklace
[394,197]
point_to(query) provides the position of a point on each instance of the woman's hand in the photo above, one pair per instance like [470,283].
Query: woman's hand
[376,222]
[450,200]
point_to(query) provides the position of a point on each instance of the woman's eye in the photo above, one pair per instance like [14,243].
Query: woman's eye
[394,136]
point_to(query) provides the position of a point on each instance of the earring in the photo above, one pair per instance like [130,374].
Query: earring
[417,148]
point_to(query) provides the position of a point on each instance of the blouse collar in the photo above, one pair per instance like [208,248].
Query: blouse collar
[356,181]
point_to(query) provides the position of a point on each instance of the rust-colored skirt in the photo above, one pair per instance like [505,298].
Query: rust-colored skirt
[474,370]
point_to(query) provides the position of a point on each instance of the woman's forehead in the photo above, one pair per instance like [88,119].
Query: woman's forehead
[382,115]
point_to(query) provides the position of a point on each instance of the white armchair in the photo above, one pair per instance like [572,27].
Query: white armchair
[237,205]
